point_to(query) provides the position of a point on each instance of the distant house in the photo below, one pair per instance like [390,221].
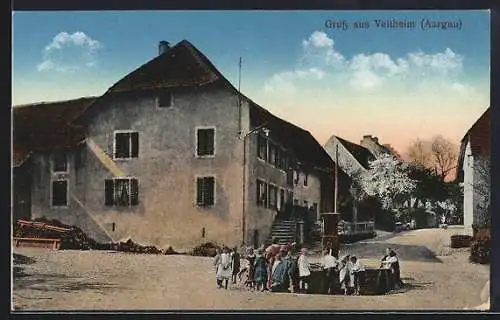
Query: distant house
[171,154]
[354,162]
[372,144]
[353,159]
[473,172]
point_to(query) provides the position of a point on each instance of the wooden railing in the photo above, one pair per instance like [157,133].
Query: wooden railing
[350,228]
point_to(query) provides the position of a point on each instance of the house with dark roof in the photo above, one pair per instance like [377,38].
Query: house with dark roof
[474,174]
[373,145]
[171,154]
[353,159]
[354,162]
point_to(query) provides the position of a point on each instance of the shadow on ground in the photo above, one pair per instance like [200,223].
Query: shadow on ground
[373,250]
[59,282]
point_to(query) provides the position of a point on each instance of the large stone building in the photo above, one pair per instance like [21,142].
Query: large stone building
[171,154]
[473,171]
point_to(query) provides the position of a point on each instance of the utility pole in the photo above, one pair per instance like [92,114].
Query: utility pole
[240,122]
[336,177]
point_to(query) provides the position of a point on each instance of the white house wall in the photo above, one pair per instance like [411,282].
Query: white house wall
[468,183]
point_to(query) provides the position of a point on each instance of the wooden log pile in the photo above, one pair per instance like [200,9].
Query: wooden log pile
[460,241]
[73,238]
[480,252]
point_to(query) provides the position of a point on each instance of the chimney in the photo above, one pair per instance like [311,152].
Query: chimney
[366,137]
[163,47]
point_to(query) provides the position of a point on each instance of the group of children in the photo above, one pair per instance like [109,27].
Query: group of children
[282,268]
[275,268]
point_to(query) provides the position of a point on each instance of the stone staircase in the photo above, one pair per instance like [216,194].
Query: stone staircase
[285,231]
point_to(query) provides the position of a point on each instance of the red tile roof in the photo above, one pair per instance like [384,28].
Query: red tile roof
[44,126]
[180,66]
[479,136]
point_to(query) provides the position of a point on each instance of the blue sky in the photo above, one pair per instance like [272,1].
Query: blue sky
[292,63]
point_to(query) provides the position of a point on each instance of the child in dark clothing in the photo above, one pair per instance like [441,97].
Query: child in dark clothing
[235,260]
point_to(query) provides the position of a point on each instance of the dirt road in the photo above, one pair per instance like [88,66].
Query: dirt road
[99,280]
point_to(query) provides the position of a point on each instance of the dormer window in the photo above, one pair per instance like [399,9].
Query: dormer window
[165,99]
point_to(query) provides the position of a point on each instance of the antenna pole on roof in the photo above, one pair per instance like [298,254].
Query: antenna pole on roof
[239,96]
[336,176]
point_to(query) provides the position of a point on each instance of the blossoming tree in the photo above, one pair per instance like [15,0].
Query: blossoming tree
[388,180]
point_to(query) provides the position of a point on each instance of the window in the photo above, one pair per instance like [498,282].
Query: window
[295,176]
[205,191]
[261,193]
[290,197]
[283,160]
[273,197]
[289,177]
[305,179]
[121,192]
[165,99]
[59,161]
[306,204]
[126,145]
[281,201]
[262,147]
[205,145]
[60,193]
[272,154]
[295,202]
[277,162]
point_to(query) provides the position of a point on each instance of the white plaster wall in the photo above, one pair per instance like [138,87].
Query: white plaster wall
[468,166]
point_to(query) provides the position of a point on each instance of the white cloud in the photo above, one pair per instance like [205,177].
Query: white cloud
[319,48]
[69,52]
[285,81]
[319,40]
[443,63]
[368,71]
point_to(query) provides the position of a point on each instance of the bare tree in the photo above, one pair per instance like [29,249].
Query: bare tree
[445,156]
[420,153]
[438,154]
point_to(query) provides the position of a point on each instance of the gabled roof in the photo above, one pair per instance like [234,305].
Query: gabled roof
[180,66]
[479,136]
[44,126]
[361,154]
[185,66]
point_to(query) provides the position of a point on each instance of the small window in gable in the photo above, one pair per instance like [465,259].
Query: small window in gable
[126,145]
[165,99]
